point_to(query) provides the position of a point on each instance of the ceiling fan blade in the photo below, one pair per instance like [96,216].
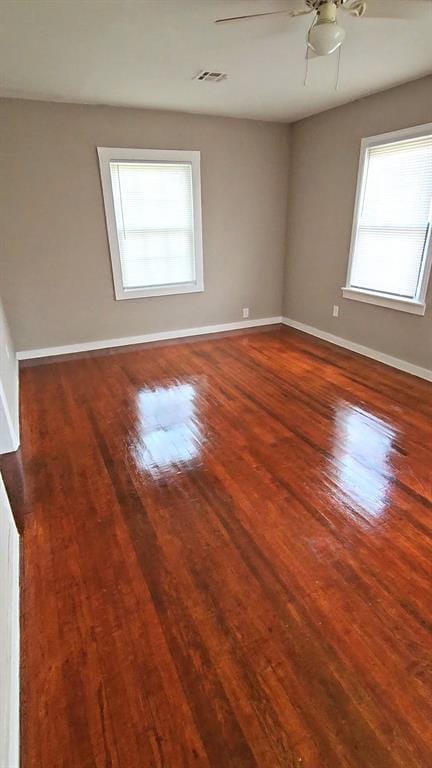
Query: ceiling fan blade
[303,12]
[284,11]
[355,7]
[250,16]
[389,9]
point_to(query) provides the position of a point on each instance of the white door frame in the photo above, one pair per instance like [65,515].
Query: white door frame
[9,635]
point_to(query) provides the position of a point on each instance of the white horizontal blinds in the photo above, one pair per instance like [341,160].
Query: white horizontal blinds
[153,205]
[394,220]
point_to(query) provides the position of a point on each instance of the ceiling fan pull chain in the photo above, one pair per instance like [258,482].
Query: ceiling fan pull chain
[338,68]
[305,81]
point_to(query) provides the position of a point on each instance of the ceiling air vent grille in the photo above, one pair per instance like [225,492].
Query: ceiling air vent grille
[210,77]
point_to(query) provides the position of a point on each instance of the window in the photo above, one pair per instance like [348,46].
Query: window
[153,212]
[390,256]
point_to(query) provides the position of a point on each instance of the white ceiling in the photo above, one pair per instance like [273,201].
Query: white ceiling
[145,53]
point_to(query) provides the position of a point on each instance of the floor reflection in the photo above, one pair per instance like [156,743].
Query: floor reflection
[170,434]
[363,451]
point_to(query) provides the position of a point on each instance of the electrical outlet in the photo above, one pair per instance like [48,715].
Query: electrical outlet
[335,310]
[245,312]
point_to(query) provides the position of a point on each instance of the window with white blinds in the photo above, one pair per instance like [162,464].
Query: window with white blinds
[152,204]
[390,249]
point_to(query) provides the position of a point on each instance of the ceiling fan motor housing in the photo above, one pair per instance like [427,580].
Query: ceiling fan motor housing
[316,5]
[327,13]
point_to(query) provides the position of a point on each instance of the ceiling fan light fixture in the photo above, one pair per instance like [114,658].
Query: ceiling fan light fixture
[325,37]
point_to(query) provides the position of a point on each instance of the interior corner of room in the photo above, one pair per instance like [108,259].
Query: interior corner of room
[58,287]
[324,170]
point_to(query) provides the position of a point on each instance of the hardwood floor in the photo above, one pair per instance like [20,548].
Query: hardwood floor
[227,558]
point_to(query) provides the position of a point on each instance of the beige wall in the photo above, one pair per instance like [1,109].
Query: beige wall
[323,174]
[55,269]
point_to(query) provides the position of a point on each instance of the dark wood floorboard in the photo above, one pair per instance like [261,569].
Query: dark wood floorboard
[226,558]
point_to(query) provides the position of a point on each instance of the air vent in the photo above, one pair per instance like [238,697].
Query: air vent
[210,77]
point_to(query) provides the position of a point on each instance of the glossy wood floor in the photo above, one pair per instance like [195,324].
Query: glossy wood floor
[227,558]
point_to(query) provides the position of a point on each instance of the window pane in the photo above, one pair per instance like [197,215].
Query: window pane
[399,184]
[388,260]
[393,224]
[154,215]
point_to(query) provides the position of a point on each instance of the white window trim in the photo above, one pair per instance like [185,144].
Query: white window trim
[416,306]
[112,154]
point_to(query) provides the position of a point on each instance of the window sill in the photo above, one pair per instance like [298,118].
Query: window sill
[382,300]
[163,290]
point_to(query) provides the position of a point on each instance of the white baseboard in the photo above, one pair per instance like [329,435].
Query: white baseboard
[381,357]
[88,346]
[145,338]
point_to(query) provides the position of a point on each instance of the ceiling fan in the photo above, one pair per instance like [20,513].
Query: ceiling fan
[325,35]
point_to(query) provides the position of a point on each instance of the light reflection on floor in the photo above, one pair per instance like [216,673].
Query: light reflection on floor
[363,451]
[170,435]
